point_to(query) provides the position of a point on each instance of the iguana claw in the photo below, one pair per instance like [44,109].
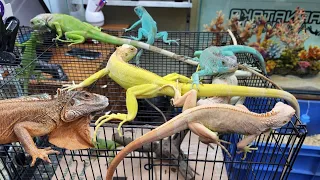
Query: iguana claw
[42,154]
[106,118]
[70,87]
[245,150]
[173,41]
[195,83]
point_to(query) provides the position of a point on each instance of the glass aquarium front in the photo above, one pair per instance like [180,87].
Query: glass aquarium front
[286,33]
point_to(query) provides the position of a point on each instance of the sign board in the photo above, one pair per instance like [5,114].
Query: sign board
[274,11]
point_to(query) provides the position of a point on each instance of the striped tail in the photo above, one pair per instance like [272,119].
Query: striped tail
[167,129]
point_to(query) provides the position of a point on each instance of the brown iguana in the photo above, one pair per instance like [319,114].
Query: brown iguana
[64,118]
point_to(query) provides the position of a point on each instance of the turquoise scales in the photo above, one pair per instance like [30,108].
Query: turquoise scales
[217,60]
[148,30]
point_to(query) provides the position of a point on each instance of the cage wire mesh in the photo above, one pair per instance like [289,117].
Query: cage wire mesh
[48,65]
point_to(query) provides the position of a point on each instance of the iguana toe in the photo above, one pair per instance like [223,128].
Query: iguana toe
[245,150]
[42,154]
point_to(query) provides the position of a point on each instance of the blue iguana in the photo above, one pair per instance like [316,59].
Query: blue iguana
[210,60]
[148,30]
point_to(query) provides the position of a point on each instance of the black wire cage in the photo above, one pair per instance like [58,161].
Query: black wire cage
[50,64]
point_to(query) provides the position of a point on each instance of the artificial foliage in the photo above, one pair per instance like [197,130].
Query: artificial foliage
[281,46]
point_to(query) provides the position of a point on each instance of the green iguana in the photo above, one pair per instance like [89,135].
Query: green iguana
[141,83]
[148,30]
[28,61]
[64,118]
[221,118]
[77,32]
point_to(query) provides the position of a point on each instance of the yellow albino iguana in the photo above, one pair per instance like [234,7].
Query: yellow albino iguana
[141,83]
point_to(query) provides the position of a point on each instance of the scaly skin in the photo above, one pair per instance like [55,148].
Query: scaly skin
[65,119]
[210,59]
[202,120]
[141,83]
[77,32]
[148,30]
[28,61]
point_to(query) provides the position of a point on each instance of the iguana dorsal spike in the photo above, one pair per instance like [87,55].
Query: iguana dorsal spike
[246,49]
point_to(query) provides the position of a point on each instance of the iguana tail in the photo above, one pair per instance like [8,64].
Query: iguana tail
[175,125]
[246,49]
[106,38]
[209,90]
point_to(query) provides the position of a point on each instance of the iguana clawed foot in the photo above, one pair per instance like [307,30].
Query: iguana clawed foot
[70,87]
[42,154]
[108,117]
[197,83]
[172,41]
[215,141]
[245,150]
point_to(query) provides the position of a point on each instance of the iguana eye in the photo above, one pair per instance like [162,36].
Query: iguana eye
[223,62]
[86,95]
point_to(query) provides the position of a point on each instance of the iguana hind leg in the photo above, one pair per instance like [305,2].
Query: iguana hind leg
[176,76]
[141,91]
[206,136]
[75,37]
[164,35]
[244,147]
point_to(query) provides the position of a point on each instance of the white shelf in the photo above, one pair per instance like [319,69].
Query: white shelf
[167,4]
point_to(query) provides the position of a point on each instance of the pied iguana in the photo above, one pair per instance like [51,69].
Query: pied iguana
[77,32]
[141,83]
[148,30]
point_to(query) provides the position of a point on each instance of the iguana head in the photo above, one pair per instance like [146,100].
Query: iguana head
[282,114]
[126,52]
[40,22]
[78,104]
[222,62]
[139,10]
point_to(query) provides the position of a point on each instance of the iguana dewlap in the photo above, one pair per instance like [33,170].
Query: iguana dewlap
[64,118]
[202,120]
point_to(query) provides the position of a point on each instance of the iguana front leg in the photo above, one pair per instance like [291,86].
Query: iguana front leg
[164,35]
[196,76]
[133,26]
[24,130]
[58,30]
[176,76]
[141,33]
[87,82]
[141,91]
